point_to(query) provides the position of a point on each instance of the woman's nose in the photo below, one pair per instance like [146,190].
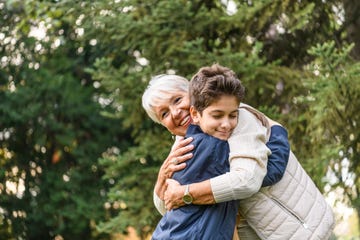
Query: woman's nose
[175,112]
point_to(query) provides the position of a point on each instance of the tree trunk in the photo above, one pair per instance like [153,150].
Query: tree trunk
[352,23]
[358,216]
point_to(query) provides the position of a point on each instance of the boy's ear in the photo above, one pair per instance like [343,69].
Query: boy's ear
[194,114]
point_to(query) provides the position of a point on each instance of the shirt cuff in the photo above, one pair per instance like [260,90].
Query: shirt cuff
[159,204]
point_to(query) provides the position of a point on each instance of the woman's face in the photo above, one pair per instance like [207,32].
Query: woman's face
[174,113]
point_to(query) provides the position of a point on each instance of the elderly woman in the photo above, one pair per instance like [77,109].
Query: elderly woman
[166,101]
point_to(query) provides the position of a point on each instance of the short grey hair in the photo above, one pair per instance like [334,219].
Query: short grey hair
[161,88]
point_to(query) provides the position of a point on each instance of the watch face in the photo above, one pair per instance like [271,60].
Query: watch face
[187,199]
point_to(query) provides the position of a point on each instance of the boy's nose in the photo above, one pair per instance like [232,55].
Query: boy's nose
[225,124]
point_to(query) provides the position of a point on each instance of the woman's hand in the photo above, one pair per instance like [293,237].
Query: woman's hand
[173,194]
[200,191]
[178,155]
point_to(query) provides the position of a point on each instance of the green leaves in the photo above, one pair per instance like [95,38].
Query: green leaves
[70,102]
[333,88]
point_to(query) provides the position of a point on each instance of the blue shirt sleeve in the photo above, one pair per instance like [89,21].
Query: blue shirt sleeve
[277,161]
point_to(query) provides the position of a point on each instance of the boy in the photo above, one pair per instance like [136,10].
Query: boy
[214,111]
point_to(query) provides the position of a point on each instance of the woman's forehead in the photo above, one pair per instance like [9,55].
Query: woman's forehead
[162,98]
[165,97]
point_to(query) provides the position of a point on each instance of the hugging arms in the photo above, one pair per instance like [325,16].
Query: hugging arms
[248,169]
[166,101]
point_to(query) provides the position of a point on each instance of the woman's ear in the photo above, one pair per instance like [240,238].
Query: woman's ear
[194,114]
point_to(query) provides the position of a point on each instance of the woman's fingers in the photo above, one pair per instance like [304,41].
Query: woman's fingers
[184,141]
[175,161]
[182,148]
[178,163]
[179,154]
[174,168]
[173,194]
[180,159]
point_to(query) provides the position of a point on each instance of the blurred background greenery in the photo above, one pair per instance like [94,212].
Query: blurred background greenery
[78,155]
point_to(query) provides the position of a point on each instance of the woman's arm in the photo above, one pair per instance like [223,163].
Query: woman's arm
[247,168]
[248,160]
[180,153]
[278,144]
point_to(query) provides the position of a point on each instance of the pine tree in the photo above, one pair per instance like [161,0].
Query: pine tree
[72,128]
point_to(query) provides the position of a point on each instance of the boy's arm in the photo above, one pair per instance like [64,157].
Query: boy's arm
[277,161]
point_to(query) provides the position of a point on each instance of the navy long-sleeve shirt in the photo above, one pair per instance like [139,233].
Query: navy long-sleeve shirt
[217,221]
[210,159]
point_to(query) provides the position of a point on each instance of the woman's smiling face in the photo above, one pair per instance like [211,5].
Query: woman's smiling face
[174,114]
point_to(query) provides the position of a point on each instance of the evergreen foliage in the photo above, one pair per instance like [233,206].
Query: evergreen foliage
[53,129]
[75,140]
[333,117]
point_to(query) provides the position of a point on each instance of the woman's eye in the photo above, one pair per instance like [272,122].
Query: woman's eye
[177,100]
[164,114]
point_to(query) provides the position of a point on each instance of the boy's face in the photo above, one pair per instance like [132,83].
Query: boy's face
[219,119]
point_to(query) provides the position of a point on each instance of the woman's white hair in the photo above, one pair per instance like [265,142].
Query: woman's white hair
[161,88]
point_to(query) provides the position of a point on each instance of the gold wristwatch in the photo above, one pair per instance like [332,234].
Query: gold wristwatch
[187,198]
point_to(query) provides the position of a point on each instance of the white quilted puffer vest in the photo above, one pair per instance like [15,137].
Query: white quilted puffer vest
[293,208]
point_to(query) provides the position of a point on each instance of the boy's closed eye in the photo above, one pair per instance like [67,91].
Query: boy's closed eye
[232,116]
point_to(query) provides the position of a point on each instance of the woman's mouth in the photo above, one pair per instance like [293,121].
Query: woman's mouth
[185,120]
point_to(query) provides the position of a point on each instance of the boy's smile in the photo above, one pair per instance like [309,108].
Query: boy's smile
[218,119]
